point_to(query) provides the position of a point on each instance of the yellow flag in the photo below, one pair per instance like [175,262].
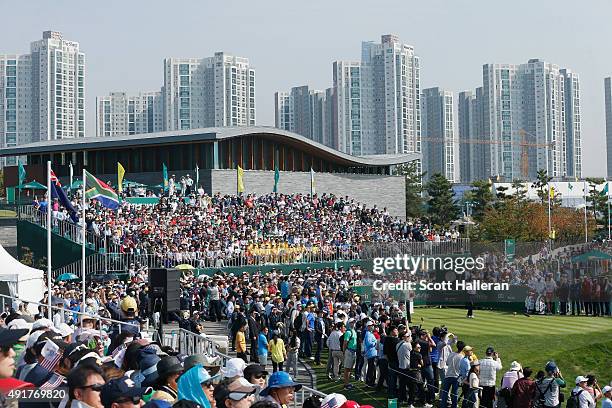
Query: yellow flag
[120,174]
[240,173]
[552,193]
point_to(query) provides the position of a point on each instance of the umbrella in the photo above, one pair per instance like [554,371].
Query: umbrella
[66,277]
[105,277]
[129,183]
[32,185]
[184,267]
[76,184]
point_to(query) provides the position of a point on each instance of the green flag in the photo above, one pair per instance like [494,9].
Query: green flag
[604,192]
[165,175]
[22,173]
[276,178]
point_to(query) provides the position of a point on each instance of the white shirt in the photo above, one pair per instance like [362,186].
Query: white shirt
[585,400]
[488,371]
[333,341]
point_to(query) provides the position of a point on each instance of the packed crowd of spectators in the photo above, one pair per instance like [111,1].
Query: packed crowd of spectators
[272,228]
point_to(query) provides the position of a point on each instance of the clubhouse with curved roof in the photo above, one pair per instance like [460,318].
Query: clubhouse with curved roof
[252,148]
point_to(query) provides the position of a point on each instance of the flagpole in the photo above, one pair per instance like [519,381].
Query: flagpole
[83,231]
[586,224]
[549,218]
[49,282]
[71,177]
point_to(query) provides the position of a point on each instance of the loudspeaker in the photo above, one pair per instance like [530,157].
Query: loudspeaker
[164,291]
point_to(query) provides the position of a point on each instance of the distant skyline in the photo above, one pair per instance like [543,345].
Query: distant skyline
[295,44]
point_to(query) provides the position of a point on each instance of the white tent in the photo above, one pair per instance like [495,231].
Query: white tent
[21,281]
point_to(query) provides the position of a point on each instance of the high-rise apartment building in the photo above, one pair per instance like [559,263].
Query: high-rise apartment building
[608,102]
[42,94]
[119,114]
[439,145]
[214,91]
[472,151]
[378,100]
[301,111]
[527,120]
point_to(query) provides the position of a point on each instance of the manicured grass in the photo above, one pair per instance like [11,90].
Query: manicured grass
[7,214]
[579,345]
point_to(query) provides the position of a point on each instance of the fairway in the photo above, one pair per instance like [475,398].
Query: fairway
[579,345]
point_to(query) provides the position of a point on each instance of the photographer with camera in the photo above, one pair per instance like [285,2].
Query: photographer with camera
[489,366]
[548,389]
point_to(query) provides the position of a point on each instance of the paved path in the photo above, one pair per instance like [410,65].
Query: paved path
[220,329]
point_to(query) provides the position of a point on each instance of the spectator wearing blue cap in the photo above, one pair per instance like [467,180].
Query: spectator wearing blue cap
[123,393]
[547,388]
[281,389]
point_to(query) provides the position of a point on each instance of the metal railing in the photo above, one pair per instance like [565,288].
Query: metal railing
[62,227]
[7,302]
[390,249]
[189,343]
[94,263]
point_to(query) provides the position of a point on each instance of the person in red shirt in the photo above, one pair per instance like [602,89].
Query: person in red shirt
[523,390]
[586,295]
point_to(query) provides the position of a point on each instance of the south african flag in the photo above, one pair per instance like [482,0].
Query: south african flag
[95,188]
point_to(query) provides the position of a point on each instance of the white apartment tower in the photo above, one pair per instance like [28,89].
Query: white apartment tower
[440,146]
[119,114]
[528,122]
[473,151]
[214,91]
[301,111]
[608,106]
[42,94]
[378,100]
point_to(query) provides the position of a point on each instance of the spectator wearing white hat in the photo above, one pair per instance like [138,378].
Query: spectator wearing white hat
[581,395]
[607,397]
[489,366]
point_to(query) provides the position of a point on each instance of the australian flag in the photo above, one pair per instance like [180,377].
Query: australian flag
[60,194]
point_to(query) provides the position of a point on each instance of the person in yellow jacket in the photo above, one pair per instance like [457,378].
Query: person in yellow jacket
[240,343]
[276,346]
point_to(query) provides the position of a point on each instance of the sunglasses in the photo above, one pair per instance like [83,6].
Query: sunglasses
[260,376]
[238,396]
[134,400]
[94,387]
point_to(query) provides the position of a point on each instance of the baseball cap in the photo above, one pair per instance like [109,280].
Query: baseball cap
[64,330]
[334,400]
[606,389]
[8,337]
[121,388]
[254,369]
[467,348]
[581,378]
[490,350]
[42,324]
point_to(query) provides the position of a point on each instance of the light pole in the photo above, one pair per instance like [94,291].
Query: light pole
[468,213]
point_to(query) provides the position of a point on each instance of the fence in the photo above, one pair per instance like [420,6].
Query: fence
[391,249]
[64,228]
[190,343]
[7,302]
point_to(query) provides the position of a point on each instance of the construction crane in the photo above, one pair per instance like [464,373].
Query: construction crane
[523,143]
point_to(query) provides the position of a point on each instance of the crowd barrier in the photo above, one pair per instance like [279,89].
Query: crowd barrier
[188,343]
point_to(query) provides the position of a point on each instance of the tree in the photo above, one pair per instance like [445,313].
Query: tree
[2,192]
[541,184]
[414,189]
[442,206]
[481,198]
[596,201]
[520,191]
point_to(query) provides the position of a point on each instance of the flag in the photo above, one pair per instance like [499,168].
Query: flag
[22,173]
[605,192]
[120,174]
[197,172]
[312,182]
[240,174]
[276,178]
[552,192]
[165,176]
[62,198]
[95,188]
[570,186]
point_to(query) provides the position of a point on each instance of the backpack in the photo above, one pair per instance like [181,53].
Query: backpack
[540,401]
[297,323]
[574,400]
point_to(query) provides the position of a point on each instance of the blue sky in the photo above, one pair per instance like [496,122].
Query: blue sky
[294,43]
